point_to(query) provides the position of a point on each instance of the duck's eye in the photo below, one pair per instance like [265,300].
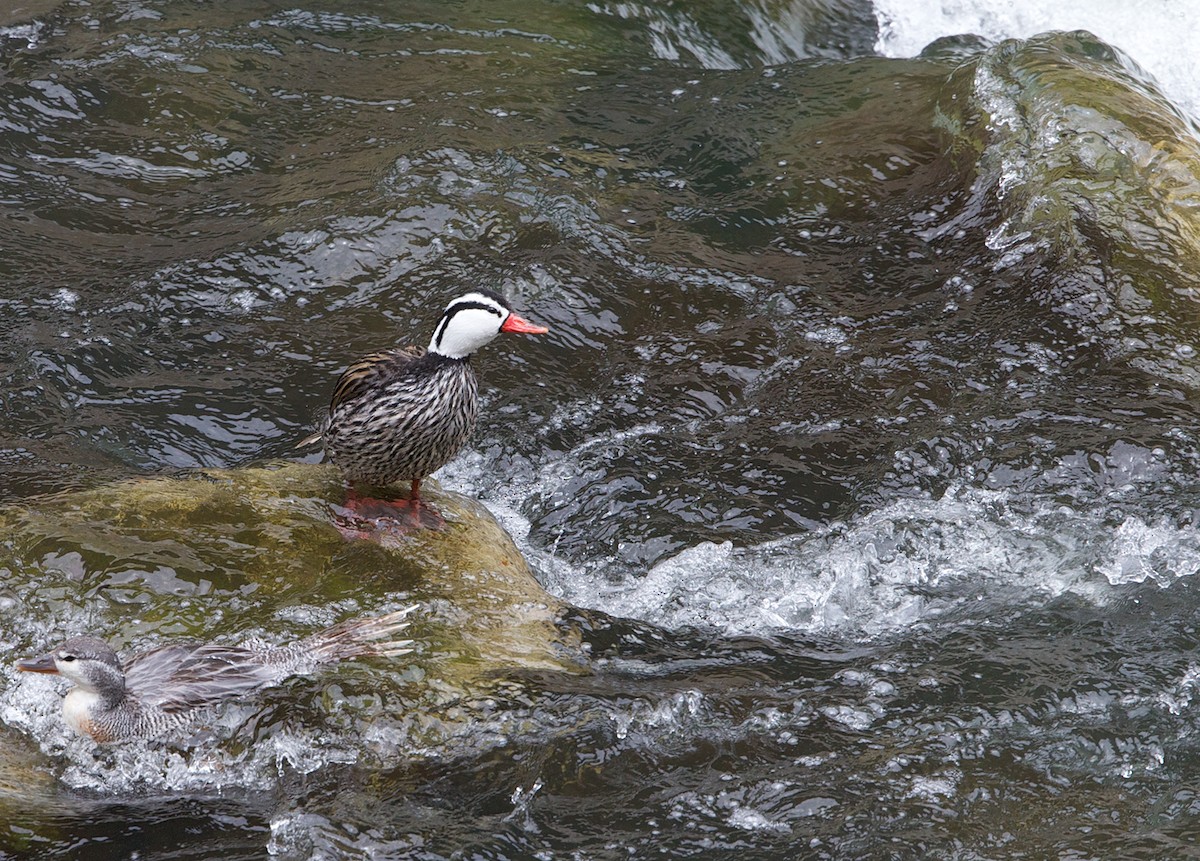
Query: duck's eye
[66,659]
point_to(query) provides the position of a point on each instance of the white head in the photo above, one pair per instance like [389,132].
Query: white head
[473,320]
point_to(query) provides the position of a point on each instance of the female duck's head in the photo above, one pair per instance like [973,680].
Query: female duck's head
[89,662]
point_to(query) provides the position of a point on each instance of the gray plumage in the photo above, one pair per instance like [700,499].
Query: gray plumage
[158,691]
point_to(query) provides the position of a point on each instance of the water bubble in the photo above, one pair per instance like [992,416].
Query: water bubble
[752,820]
[244,299]
[65,299]
[826,335]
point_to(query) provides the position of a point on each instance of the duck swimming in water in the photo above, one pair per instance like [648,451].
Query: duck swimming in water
[400,414]
[159,691]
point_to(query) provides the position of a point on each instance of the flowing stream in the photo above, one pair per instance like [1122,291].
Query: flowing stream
[864,444]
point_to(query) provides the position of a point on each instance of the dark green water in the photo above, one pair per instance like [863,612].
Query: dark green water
[864,439]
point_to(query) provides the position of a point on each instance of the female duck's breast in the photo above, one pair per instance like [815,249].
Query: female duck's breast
[78,708]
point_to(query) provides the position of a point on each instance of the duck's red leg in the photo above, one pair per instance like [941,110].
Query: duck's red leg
[425,514]
[368,507]
[370,514]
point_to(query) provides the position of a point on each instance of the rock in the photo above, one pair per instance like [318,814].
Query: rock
[219,554]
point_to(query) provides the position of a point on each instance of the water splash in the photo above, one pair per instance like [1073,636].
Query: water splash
[244,745]
[1157,36]
[300,834]
[911,561]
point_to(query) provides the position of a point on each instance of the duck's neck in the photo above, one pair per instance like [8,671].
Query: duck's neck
[436,358]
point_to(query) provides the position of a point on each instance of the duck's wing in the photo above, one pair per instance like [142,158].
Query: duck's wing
[181,677]
[370,370]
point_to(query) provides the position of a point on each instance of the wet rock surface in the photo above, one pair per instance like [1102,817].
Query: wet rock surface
[221,555]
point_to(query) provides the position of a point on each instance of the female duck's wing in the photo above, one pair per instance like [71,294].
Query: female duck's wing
[180,677]
[370,370]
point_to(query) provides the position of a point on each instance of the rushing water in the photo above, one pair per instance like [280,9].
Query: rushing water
[864,440]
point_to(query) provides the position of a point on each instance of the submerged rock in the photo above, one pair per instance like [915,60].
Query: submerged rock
[220,554]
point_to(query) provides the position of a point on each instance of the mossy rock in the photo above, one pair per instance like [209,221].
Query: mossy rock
[220,555]
[216,553]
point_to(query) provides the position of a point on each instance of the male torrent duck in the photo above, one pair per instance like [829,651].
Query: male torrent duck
[400,414]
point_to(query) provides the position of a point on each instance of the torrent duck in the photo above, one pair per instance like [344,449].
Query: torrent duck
[159,691]
[400,414]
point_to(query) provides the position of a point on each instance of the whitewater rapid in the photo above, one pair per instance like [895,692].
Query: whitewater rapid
[1159,36]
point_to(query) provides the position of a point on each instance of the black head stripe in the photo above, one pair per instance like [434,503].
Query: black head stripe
[464,306]
[441,330]
[493,295]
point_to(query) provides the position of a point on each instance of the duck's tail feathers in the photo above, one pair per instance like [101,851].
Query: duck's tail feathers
[356,638]
[309,440]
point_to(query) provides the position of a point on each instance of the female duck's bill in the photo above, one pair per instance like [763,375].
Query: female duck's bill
[43,664]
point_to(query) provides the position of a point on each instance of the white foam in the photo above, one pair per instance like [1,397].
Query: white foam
[906,562]
[909,562]
[934,788]
[1160,551]
[1161,37]
[749,819]
[65,299]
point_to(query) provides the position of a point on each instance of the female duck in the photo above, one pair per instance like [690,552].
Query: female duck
[159,691]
